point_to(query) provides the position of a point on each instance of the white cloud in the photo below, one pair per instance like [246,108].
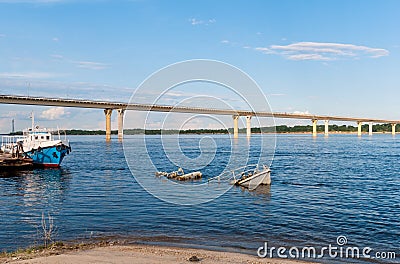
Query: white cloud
[77,90]
[55,39]
[91,65]
[277,94]
[264,50]
[14,114]
[225,41]
[301,112]
[2,35]
[29,75]
[53,113]
[323,51]
[309,57]
[195,21]
[57,56]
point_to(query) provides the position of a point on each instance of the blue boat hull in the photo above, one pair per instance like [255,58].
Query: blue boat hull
[49,156]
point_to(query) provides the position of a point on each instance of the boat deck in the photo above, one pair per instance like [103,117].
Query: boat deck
[8,162]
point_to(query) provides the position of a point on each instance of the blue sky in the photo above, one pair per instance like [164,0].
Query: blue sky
[320,57]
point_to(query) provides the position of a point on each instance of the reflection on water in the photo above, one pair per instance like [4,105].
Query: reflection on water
[321,188]
[263,191]
[25,195]
[38,185]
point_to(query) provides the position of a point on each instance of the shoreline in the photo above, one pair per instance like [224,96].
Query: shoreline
[117,252]
[243,134]
[204,132]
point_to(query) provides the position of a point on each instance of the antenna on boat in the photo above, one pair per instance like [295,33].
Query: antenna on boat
[33,120]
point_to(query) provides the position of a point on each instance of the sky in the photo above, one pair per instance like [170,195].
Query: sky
[318,57]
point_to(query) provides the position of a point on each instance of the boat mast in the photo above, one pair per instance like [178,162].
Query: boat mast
[33,120]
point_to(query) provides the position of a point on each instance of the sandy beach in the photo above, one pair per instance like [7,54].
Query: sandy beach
[142,254]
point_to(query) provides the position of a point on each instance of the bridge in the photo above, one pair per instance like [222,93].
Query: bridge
[122,107]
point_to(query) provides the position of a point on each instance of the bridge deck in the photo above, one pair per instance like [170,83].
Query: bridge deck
[28,100]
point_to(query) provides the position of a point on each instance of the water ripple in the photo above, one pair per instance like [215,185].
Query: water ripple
[321,188]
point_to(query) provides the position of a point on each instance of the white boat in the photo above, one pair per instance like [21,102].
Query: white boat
[38,144]
[252,176]
[249,176]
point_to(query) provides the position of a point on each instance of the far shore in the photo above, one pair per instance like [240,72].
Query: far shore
[279,129]
[132,253]
[102,133]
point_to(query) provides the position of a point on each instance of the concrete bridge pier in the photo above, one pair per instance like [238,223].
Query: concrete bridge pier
[370,129]
[359,124]
[393,129]
[248,126]
[314,127]
[235,126]
[108,113]
[120,123]
[326,127]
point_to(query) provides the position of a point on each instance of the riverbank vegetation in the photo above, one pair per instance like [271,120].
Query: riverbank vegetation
[379,128]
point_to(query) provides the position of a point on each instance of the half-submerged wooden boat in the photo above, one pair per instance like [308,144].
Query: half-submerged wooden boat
[249,176]
[252,177]
[180,175]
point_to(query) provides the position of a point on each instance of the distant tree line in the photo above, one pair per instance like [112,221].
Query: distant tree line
[277,129]
[89,132]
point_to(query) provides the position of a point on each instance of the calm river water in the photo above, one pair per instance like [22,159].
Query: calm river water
[321,188]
